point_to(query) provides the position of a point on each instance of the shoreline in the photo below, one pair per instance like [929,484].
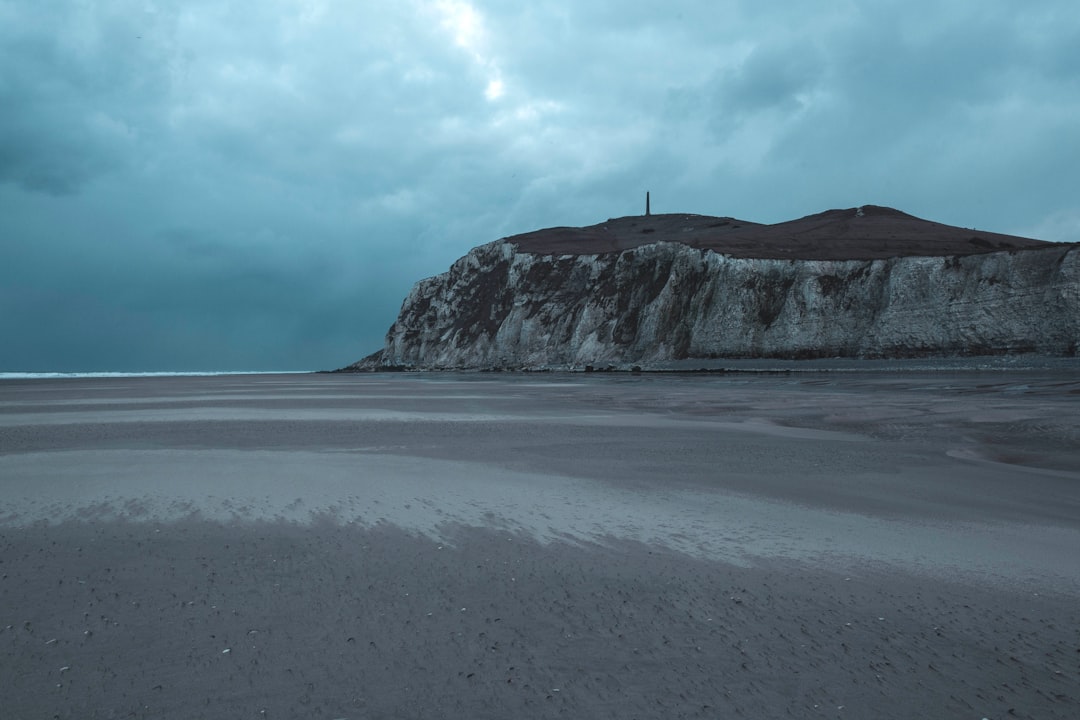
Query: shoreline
[721,366]
[693,366]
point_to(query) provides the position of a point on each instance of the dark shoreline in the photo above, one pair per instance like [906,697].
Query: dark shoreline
[721,366]
[951,363]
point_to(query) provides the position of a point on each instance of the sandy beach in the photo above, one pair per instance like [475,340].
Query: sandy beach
[835,545]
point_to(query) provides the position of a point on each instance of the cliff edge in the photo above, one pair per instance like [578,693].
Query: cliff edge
[648,290]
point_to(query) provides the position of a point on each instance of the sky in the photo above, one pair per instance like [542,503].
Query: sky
[224,185]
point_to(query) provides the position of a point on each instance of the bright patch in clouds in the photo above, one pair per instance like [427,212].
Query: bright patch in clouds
[467,27]
[494,89]
[464,23]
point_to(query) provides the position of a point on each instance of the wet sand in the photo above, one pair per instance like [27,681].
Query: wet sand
[819,545]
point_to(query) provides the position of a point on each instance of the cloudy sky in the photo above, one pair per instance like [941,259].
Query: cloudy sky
[215,184]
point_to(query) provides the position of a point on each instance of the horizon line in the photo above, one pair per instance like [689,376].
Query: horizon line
[21,375]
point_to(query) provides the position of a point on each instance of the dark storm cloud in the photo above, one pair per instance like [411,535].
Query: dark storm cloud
[220,184]
[77,85]
[770,80]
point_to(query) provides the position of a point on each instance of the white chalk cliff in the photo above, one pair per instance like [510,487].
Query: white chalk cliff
[502,307]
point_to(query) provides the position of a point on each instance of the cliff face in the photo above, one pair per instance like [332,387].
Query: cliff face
[499,307]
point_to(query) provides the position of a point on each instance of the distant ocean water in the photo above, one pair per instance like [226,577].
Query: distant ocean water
[45,375]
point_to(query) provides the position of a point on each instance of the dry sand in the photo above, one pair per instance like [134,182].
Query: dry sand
[820,545]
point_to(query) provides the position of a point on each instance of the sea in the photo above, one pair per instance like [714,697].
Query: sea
[198,373]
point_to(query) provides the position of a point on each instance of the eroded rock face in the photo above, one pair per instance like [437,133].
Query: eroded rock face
[501,308]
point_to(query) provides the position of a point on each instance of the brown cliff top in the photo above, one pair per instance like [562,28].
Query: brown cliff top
[863,233]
